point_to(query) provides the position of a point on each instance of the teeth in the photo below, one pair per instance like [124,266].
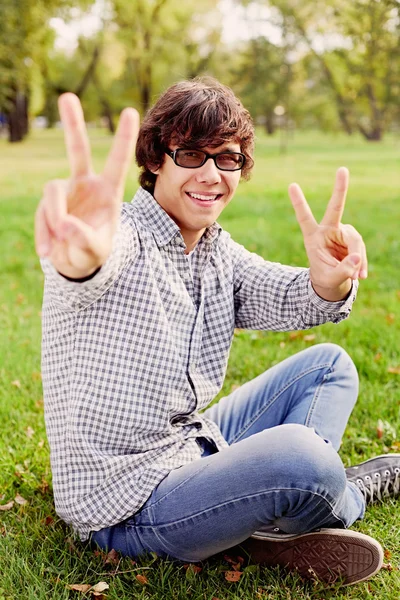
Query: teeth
[200,197]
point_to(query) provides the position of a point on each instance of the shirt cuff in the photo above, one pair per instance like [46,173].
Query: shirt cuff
[342,306]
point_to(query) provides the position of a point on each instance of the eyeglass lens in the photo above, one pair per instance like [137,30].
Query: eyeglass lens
[228,161]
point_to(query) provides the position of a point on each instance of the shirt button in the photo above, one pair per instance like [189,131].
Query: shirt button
[186,276]
[193,365]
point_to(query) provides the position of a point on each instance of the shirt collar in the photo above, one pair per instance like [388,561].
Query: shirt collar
[164,229]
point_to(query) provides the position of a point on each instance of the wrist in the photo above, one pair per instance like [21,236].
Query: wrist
[336,294]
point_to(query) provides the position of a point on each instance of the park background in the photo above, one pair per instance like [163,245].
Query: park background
[322,81]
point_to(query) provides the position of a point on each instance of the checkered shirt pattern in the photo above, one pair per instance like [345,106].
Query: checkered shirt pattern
[130,356]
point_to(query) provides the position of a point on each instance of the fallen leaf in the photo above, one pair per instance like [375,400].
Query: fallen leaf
[41,444]
[233,575]
[387,554]
[282,344]
[112,558]
[16,383]
[387,567]
[100,587]
[20,500]
[379,429]
[295,335]
[377,356]
[48,521]
[79,587]
[142,579]
[8,506]
[395,370]
[309,338]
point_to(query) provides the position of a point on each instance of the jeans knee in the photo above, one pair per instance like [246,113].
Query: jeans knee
[310,462]
[340,360]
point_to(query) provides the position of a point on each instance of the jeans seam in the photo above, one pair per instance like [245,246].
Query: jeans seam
[276,396]
[246,497]
[315,399]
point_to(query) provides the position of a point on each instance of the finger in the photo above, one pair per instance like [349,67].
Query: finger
[364,264]
[120,156]
[303,212]
[55,205]
[355,245]
[83,236]
[75,134]
[348,268]
[43,241]
[334,211]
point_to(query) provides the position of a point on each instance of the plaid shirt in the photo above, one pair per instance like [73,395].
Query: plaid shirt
[130,356]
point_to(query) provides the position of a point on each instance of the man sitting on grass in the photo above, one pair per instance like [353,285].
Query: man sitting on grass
[139,312]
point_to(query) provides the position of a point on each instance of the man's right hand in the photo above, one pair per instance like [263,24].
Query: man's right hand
[77,218]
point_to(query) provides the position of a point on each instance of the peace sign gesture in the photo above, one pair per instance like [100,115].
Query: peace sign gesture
[77,218]
[336,252]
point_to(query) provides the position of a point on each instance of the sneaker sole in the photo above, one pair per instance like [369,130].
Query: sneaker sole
[329,555]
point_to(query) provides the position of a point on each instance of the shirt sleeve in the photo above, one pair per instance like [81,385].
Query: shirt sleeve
[74,296]
[278,297]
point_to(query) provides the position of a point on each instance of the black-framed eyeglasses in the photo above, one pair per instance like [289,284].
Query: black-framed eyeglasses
[193,159]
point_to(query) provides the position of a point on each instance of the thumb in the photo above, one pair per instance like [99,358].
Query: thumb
[350,266]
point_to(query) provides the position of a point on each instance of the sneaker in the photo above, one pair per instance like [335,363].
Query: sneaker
[377,478]
[329,555]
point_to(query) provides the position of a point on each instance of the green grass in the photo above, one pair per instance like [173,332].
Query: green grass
[38,559]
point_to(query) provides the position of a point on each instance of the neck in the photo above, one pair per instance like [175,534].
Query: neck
[191,239]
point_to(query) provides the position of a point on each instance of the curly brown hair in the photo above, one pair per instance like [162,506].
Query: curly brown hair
[197,113]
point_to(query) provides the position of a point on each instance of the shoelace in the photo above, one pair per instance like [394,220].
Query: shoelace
[380,488]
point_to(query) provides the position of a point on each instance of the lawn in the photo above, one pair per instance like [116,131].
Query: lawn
[38,557]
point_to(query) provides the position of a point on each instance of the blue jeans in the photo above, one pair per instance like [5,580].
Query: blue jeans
[281,472]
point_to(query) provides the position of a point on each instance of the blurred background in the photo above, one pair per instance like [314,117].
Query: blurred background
[330,65]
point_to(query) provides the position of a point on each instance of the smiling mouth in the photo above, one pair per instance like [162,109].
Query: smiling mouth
[204,197]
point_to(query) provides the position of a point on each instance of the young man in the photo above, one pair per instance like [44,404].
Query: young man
[139,311]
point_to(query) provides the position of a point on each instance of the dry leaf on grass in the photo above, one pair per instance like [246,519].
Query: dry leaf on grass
[310,338]
[16,383]
[79,587]
[394,370]
[142,579]
[95,590]
[7,506]
[99,588]
[20,500]
[233,576]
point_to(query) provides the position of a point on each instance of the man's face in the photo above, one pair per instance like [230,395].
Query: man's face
[194,198]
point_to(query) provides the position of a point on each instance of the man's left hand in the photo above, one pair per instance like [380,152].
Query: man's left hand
[336,252]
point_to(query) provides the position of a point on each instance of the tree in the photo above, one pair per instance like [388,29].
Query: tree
[25,40]
[357,47]
[263,79]
[164,40]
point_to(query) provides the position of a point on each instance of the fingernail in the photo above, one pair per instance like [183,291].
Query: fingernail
[363,274]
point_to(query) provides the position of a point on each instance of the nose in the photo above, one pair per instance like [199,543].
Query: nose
[208,173]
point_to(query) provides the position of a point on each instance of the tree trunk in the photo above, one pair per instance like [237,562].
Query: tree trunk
[17,118]
[269,124]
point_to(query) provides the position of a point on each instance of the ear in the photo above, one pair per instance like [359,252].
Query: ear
[154,169]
